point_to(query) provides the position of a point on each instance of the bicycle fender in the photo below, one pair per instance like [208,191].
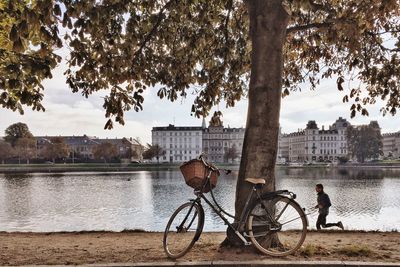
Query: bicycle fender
[197,236]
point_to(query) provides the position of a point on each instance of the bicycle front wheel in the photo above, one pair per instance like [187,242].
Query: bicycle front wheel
[183,229]
[277,227]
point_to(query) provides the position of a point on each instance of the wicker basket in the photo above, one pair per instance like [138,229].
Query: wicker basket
[195,174]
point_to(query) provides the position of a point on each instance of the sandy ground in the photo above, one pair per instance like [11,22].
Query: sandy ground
[111,247]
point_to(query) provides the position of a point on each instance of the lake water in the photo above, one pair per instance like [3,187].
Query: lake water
[363,199]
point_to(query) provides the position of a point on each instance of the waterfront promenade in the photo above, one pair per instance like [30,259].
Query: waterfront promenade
[145,248]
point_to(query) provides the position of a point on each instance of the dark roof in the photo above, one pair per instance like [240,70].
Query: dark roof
[179,128]
[312,125]
[328,131]
[391,134]
[74,140]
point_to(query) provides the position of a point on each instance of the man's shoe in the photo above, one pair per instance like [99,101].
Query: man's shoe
[340,225]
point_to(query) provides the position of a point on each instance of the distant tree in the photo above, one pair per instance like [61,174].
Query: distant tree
[6,151]
[55,149]
[365,141]
[16,131]
[231,154]
[105,151]
[148,152]
[25,148]
[153,151]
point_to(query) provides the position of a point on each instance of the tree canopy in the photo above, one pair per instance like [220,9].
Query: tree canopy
[25,148]
[105,151]
[365,141]
[16,131]
[153,151]
[56,148]
[6,151]
[197,46]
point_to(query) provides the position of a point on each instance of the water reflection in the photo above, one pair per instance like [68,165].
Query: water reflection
[362,198]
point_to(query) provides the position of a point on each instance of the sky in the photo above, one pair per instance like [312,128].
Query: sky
[70,113]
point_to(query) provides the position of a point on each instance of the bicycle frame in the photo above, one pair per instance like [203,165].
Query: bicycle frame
[218,210]
[264,214]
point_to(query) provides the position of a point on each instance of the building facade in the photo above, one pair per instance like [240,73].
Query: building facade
[391,145]
[217,141]
[314,144]
[81,147]
[179,143]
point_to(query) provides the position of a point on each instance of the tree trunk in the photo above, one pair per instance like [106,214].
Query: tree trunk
[268,23]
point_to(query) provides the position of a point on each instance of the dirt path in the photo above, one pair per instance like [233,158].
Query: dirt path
[109,247]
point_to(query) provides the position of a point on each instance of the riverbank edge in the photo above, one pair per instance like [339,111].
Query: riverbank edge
[60,168]
[111,249]
[264,263]
[141,231]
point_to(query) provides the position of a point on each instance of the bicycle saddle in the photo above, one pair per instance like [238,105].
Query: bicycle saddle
[255,180]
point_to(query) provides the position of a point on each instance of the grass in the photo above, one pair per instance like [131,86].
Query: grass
[355,251]
[311,250]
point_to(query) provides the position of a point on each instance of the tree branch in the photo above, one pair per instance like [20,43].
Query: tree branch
[381,46]
[319,7]
[309,26]
[155,26]
[230,6]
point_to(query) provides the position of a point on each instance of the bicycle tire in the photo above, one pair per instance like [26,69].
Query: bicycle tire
[183,229]
[281,234]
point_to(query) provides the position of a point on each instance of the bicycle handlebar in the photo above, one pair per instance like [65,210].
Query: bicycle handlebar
[212,167]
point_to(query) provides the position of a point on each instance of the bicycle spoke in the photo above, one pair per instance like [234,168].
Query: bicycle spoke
[278,228]
[182,230]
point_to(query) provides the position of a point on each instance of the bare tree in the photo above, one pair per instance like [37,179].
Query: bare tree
[105,151]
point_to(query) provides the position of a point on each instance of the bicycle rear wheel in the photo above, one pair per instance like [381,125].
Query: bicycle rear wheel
[183,229]
[277,227]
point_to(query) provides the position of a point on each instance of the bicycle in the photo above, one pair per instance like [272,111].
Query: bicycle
[273,222]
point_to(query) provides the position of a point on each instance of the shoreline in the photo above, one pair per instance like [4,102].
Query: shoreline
[116,167]
[102,247]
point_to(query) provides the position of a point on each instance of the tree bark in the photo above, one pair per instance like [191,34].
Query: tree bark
[268,23]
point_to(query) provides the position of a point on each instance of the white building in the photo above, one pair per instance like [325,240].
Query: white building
[311,144]
[314,144]
[179,143]
[184,143]
[217,140]
[391,145]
